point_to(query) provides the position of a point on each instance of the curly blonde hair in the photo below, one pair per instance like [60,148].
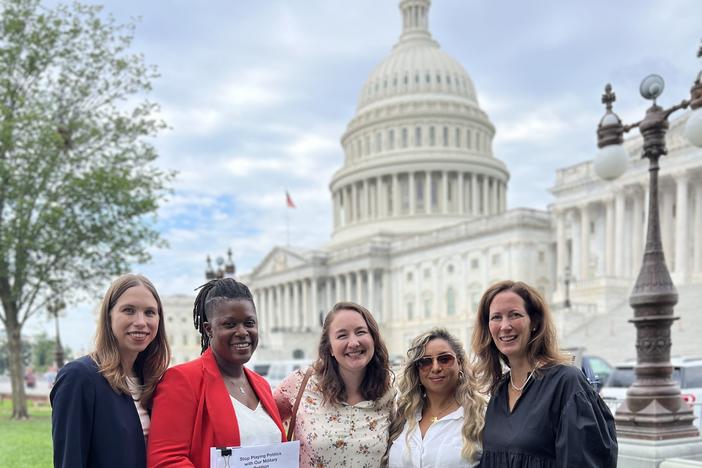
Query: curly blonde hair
[412,399]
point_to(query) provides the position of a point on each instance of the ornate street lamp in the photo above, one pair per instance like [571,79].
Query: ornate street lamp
[227,269]
[54,308]
[653,409]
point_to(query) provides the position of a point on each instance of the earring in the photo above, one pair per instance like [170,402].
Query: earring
[461,376]
[533,329]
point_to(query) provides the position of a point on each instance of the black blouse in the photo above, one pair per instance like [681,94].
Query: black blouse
[559,421]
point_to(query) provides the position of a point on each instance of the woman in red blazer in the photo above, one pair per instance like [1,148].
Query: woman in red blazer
[214,401]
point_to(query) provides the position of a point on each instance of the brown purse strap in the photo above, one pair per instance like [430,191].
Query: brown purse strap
[291,426]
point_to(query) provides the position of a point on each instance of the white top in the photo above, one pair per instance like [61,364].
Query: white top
[440,448]
[259,428]
[135,390]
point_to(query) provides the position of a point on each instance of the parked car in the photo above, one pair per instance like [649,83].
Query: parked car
[596,369]
[280,369]
[261,368]
[687,372]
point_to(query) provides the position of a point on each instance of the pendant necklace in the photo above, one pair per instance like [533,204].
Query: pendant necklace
[240,387]
[519,389]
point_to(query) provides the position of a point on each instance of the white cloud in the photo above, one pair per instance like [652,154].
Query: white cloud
[258,94]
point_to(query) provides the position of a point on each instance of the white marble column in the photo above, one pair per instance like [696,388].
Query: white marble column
[412,193]
[270,313]
[356,212]
[337,290]
[395,187]
[504,196]
[367,200]
[619,238]
[682,250]
[359,287]
[609,237]
[385,291]
[475,208]
[445,192]
[560,245]
[288,305]
[327,293]
[461,181]
[347,277]
[486,196]
[584,242]
[281,307]
[314,313]
[306,312]
[295,309]
[370,285]
[427,192]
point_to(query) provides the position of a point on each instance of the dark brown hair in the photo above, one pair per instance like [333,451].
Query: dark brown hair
[150,364]
[376,381]
[542,347]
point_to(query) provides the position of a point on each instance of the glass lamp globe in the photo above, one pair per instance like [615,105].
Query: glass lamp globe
[693,127]
[611,162]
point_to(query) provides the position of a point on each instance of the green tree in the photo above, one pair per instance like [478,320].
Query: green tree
[79,190]
[43,352]
[26,357]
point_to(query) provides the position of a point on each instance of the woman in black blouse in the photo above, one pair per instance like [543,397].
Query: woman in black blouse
[543,412]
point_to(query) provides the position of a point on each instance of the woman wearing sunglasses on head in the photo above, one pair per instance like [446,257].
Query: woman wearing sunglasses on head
[440,413]
[542,412]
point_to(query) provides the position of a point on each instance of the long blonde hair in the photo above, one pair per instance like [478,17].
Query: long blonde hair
[542,348]
[150,363]
[412,399]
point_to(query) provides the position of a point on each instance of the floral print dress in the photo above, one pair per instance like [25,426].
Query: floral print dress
[335,435]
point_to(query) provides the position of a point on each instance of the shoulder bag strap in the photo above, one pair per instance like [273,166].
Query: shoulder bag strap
[291,426]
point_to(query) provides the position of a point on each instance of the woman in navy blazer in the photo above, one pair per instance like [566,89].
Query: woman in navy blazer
[214,401]
[101,402]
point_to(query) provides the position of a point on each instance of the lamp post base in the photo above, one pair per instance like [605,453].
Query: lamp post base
[635,453]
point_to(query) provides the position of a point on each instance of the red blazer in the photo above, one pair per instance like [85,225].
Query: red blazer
[192,412]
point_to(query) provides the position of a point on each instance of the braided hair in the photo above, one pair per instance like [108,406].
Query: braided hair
[211,294]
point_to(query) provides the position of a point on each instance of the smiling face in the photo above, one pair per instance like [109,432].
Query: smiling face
[350,341]
[233,329]
[441,376]
[510,325]
[134,321]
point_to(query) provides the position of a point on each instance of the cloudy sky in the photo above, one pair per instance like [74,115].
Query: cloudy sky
[258,93]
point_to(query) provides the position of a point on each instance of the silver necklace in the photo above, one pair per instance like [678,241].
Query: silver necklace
[240,387]
[519,389]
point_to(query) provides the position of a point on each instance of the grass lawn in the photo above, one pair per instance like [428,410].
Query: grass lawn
[25,443]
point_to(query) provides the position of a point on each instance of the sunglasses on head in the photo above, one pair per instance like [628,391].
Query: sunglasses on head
[444,360]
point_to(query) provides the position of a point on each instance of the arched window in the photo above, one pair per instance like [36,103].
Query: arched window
[432,136]
[450,301]
[458,137]
[446,136]
[391,139]
[418,136]
[404,138]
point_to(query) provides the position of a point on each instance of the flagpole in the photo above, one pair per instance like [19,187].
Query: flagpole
[287,226]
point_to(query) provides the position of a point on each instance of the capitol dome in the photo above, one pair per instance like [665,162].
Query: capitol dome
[418,152]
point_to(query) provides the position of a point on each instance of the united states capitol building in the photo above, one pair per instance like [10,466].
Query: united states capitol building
[421,225]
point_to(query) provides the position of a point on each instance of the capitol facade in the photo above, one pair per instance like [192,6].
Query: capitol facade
[421,226]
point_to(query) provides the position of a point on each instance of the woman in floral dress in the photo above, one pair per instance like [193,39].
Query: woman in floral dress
[345,410]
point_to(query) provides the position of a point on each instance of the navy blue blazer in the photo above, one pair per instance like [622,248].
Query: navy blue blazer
[91,424]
